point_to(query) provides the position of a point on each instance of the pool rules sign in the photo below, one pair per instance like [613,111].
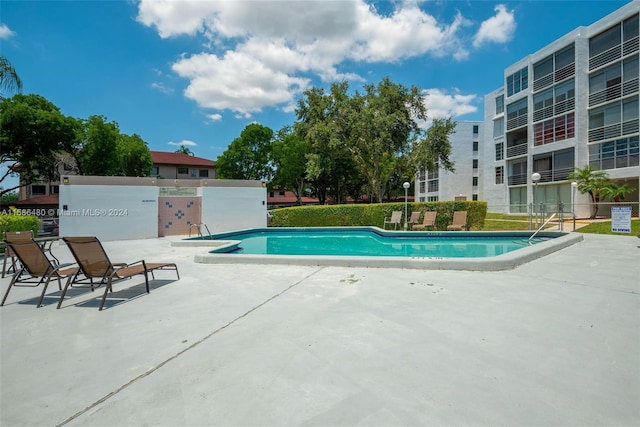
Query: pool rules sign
[621,219]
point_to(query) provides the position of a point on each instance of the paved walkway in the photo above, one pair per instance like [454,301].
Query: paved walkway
[552,342]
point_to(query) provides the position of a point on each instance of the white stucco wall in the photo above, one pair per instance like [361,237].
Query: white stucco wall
[109,212]
[233,207]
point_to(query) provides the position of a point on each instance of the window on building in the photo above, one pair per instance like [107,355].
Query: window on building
[38,190]
[476,129]
[474,181]
[432,199]
[432,186]
[517,109]
[54,189]
[565,91]
[475,163]
[154,171]
[474,197]
[543,68]
[500,175]
[423,186]
[604,41]
[498,127]
[500,151]
[518,81]
[565,57]
[203,173]
[542,100]
[500,104]
[630,28]
[475,146]
[183,171]
[630,69]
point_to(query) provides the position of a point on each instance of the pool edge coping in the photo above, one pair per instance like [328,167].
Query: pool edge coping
[506,261]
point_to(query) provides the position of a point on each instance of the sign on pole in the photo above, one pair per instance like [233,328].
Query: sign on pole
[621,219]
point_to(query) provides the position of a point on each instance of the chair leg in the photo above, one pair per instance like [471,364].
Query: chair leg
[104,296]
[46,284]
[13,280]
[66,286]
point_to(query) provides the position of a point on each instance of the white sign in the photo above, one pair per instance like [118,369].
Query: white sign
[621,219]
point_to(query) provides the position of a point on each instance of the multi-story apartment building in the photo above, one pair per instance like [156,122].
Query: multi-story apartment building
[571,104]
[465,182]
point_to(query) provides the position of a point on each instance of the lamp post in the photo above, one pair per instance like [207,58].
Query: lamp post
[406,186]
[535,177]
[574,185]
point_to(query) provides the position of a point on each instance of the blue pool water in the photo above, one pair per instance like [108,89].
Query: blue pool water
[372,242]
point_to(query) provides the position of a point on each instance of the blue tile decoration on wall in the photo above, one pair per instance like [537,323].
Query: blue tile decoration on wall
[179,214]
[168,204]
[190,204]
[168,224]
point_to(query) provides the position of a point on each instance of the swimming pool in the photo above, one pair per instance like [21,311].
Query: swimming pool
[374,247]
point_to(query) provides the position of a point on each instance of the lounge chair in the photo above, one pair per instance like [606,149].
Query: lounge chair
[95,264]
[459,221]
[36,268]
[414,219]
[14,237]
[396,217]
[429,220]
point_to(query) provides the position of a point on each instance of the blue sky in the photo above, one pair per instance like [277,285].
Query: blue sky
[197,72]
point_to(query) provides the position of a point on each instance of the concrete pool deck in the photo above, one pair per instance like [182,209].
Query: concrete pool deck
[555,341]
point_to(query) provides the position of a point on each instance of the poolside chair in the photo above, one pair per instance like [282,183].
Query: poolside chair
[396,217]
[95,264]
[36,268]
[414,219]
[14,237]
[459,221]
[429,220]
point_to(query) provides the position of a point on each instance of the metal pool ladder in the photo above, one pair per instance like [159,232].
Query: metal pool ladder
[542,226]
[199,228]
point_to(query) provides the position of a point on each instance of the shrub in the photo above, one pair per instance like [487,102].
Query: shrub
[374,214]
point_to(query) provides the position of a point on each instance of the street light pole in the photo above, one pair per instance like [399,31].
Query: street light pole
[535,177]
[574,185]
[406,186]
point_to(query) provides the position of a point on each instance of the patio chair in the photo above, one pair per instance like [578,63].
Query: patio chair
[36,268]
[414,219]
[95,264]
[24,236]
[429,220]
[459,221]
[396,217]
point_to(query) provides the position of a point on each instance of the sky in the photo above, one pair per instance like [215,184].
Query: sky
[197,72]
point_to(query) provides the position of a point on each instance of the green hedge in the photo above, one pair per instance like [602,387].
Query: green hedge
[374,214]
[17,223]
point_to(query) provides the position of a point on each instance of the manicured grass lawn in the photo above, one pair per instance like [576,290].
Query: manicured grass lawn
[604,227]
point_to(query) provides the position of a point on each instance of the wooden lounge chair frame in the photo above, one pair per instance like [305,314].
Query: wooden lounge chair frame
[36,268]
[396,218]
[459,221]
[429,220]
[94,263]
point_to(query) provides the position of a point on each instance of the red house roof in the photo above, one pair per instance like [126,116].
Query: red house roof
[179,159]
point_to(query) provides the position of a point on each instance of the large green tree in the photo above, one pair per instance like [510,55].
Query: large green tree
[247,157]
[9,80]
[33,133]
[433,150]
[289,158]
[98,143]
[133,155]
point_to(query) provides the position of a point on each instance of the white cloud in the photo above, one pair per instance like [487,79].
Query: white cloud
[214,117]
[440,103]
[497,29]
[259,57]
[183,143]
[161,87]
[6,32]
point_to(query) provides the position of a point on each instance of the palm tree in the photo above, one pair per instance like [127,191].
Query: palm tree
[9,79]
[592,182]
[184,150]
[616,192]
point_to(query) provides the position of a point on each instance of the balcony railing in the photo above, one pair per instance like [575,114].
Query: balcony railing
[520,179]
[613,92]
[517,122]
[553,175]
[517,150]
[614,130]
[616,52]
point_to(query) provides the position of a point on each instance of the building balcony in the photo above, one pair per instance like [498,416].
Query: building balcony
[554,77]
[613,92]
[614,131]
[555,174]
[613,54]
[517,122]
[517,150]
[520,179]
